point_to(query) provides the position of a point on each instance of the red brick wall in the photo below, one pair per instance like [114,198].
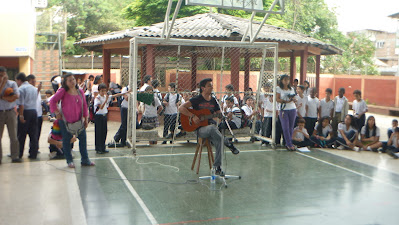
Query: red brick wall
[380,92]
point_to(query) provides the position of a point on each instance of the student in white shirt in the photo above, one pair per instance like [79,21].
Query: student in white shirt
[249,114]
[233,114]
[147,79]
[393,144]
[267,117]
[300,138]
[32,81]
[341,107]
[229,93]
[392,129]
[326,108]
[171,102]
[312,109]
[359,109]
[101,103]
[322,134]
[301,101]
[370,136]
[150,115]
[347,134]
[306,84]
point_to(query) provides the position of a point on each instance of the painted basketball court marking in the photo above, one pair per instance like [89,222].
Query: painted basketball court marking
[134,193]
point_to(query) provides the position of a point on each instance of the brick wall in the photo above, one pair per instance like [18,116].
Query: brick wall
[45,65]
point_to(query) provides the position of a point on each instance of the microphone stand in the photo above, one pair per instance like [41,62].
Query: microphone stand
[223,177]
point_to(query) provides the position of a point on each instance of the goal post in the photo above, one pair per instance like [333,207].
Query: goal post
[182,63]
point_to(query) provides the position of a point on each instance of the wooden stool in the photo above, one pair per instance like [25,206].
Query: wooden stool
[200,144]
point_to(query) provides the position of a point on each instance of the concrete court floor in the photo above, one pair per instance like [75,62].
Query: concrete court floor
[278,187]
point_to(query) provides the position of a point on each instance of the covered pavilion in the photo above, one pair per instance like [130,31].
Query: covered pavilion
[219,27]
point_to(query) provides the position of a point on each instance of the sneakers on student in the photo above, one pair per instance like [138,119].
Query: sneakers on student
[71,165]
[357,149]
[391,153]
[341,147]
[52,155]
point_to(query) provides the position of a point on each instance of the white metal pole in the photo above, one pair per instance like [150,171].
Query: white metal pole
[221,74]
[248,27]
[274,94]
[173,19]
[166,21]
[261,75]
[263,21]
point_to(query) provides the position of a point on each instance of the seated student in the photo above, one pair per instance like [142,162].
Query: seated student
[150,116]
[300,137]
[370,136]
[322,134]
[46,105]
[55,141]
[347,134]
[393,144]
[233,115]
[392,129]
[248,114]
[229,93]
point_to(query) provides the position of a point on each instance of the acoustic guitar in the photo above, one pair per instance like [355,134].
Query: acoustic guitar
[203,114]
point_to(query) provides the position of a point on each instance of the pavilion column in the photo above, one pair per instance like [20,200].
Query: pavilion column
[318,74]
[247,63]
[150,61]
[235,69]
[194,58]
[304,65]
[292,66]
[106,65]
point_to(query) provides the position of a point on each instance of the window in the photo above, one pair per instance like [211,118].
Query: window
[380,44]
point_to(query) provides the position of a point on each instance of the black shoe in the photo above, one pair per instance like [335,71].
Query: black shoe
[100,152]
[164,142]
[391,153]
[229,144]
[219,171]
[105,151]
[16,161]
[32,157]
[169,136]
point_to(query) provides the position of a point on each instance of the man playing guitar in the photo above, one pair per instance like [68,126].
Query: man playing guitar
[206,101]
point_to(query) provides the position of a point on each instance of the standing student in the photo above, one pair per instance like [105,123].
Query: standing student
[370,136]
[295,85]
[285,96]
[301,101]
[9,94]
[150,115]
[74,109]
[359,109]
[300,137]
[88,87]
[322,134]
[205,100]
[171,102]
[32,81]
[341,107]
[55,82]
[312,110]
[306,84]
[119,139]
[347,134]
[94,89]
[326,108]
[27,119]
[267,117]
[147,79]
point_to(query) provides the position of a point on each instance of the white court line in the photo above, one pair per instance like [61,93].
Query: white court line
[176,154]
[349,170]
[134,193]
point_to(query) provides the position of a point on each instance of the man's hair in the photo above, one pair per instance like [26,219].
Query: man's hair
[301,87]
[296,80]
[394,120]
[341,89]
[155,83]
[102,86]
[21,77]
[91,76]
[357,92]
[230,87]
[301,121]
[329,90]
[172,85]
[48,92]
[3,69]
[30,77]
[203,82]
[146,78]
[230,99]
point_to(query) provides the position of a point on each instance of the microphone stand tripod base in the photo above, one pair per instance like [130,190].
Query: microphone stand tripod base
[222,177]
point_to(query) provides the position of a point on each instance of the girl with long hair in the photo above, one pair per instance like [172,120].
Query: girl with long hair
[347,134]
[370,136]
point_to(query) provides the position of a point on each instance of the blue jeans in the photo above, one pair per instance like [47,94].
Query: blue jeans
[351,135]
[66,144]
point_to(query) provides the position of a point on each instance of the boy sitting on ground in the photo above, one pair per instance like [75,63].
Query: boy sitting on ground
[300,137]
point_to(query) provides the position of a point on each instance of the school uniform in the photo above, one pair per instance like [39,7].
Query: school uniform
[341,107]
[247,113]
[267,118]
[350,133]
[28,99]
[369,134]
[358,108]
[226,96]
[301,106]
[9,117]
[150,116]
[303,142]
[170,113]
[122,131]
[325,131]
[100,122]
[311,113]
[39,116]
[326,107]
[235,121]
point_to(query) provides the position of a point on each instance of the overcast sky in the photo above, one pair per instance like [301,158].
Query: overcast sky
[365,14]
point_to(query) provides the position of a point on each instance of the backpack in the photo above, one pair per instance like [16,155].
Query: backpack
[167,100]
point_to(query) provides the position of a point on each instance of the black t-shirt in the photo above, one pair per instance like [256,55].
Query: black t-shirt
[199,102]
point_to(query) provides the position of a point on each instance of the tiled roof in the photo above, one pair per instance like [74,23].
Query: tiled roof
[216,27]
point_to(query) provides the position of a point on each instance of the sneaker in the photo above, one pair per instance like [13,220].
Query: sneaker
[88,164]
[219,171]
[71,165]
[164,142]
[52,155]
[229,144]
[391,153]
[341,147]
[52,119]
[357,149]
